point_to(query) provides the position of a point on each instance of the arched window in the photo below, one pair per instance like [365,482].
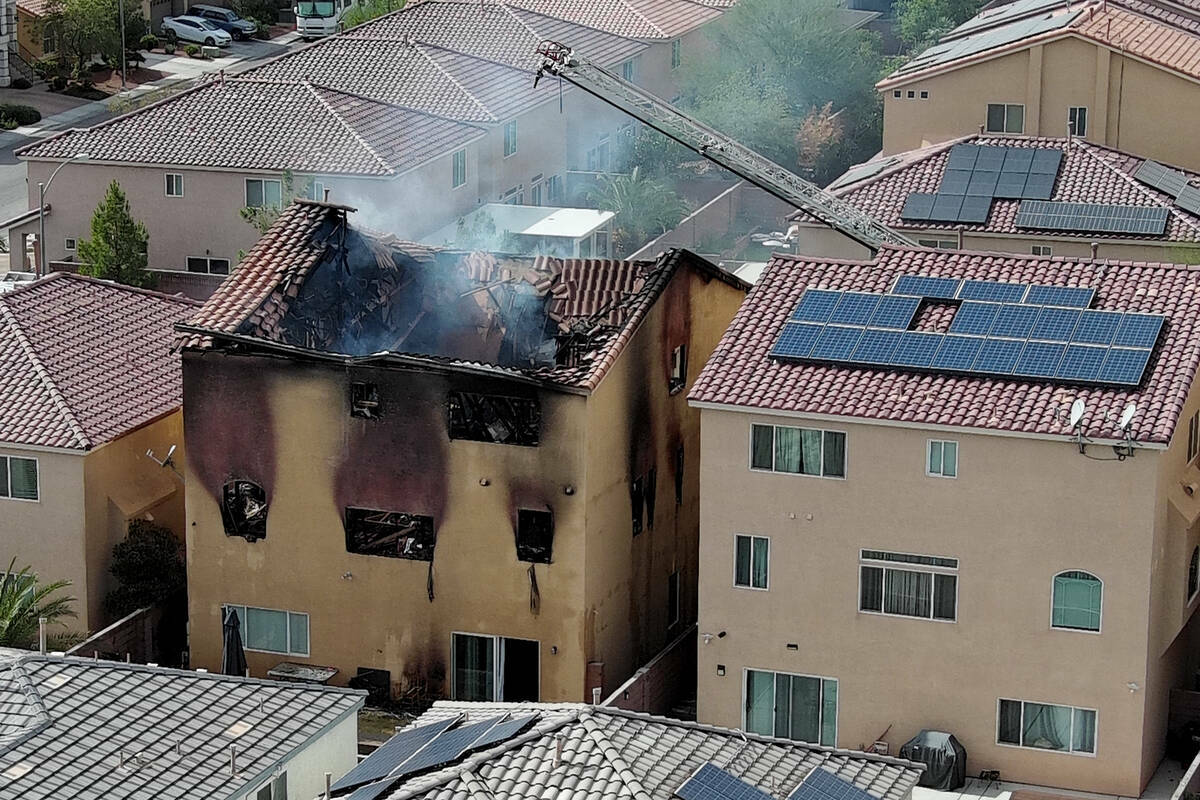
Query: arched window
[1193,573]
[1076,601]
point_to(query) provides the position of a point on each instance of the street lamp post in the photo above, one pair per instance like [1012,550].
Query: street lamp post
[43,264]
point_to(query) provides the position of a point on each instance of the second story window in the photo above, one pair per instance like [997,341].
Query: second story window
[263,193]
[554,189]
[174,184]
[906,585]
[798,451]
[458,169]
[494,418]
[629,70]
[18,478]
[244,510]
[1005,118]
[678,369]
[751,561]
[942,459]
[1041,250]
[510,138]
[392,534]
[535,535]
[1077,120]
[1076,602]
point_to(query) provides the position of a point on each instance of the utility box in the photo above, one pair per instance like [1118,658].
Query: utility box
[210,52]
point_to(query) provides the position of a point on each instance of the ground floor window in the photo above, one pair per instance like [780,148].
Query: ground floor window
[800,707]
[269,630]
[1044,726]
[494,668]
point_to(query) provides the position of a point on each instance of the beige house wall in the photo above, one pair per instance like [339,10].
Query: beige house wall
[1021,511]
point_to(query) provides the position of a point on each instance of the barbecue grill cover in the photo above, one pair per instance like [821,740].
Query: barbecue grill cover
[944,758]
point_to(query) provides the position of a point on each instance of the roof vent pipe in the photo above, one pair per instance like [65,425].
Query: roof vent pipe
[558,749]
[328,784]
[325,195]
[595,695]
[42,635]
[959,231]
[233,759]
[1095,249]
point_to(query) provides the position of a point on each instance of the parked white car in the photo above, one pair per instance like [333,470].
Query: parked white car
[194,29]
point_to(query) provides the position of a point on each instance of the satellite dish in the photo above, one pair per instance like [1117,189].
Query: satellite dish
[1077,409]
[1127,416]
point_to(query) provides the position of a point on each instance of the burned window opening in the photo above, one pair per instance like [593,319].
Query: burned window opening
[679,475]
[494,418]
[636,495]
[651,494]
[244,510]
[535,535]
[391,534]
[678,369]
[364,400]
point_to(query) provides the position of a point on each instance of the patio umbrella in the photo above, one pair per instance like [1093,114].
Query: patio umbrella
[233,657]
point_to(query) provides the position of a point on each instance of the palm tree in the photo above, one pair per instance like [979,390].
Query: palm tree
[643,207]
[23,601]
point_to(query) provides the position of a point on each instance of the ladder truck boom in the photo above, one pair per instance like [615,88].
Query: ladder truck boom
[560,61]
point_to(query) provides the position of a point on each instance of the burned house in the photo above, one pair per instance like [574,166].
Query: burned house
[457,473]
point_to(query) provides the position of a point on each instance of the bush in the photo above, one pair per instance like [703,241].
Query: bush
[47,67]
[148,42]
[192,50]
[23,115]
[169,47]
[21,83]
[262,11]
[58,83]
[149,568]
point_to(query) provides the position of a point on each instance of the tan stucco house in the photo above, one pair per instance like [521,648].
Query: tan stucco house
[88,385]
[471,475]
[1103,70]
[921,510]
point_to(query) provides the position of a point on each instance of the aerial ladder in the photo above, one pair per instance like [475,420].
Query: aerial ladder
[560,61]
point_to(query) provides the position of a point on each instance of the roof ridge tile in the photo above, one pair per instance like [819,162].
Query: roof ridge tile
[349,128]
[1136,184]
[433,62]
[614,758]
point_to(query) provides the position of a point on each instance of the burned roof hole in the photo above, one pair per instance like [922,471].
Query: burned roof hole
[535,535]
[244,510]
[494,418]
[390,534]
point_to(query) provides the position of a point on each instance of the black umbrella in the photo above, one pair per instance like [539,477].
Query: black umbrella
[233,657]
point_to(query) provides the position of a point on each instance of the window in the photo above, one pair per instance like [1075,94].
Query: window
[494,668]
[676,59]
[275,789]
[69,244]
[391,534]
[679,475]
[924,94]
[1193,573]
[268,630]
[1046,727]
[49,40]
[1193,436]
[364,400]
[752,561]
[174,184]
[19,478]
[535,194]
[927,593]
[629,70]
[494,418]
[1005,118]
[1076,601]
[637,495]
[678,369]
[535,535]
[514,196]
[210,266]
[673,599]
[261,193]
[897,93]
[800,707]
[1077,120]
[942,459]
[911,94]
[554,189]
[459,168]
[244,510]
[799,451]
[1042,250]
[510,138]
[601,249]
[316,190]
[597,157]
[938,244]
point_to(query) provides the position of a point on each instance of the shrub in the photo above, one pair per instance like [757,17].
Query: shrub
[148,42]
[169,47]
[23,115]
[149,568]
[262,11]
[47,67]
[58,83]
[21,83]
[192,50]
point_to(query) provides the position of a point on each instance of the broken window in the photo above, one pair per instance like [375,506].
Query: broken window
[679,475]
[244,510]
[636,495]
[364,400]
[493,418]
[393,534]
[651,487]
[535,535]
[678,368]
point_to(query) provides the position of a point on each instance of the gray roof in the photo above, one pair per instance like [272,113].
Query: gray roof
[610,754]
[64,723]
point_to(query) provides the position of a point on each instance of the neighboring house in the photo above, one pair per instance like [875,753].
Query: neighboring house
[511,751]
[963,195]
[87,385]
[1120,73]
[95,730]
[34,37]
[472,475]
[900,547]
[433,101]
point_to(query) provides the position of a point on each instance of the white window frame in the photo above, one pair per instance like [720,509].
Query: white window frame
[938,244]
[37,466]
[823,431]
[865,560]
[455,158]
[264,182]
[511,125]
[629,69]
[208,264]
[244,619]
[1043,250]
[497,660]
[1007,107]
[70,244]
[271,784]
[1100,625]
[1070,736]
[316,190]
[1075,110]
[753,537]
[929,443]
[178,176]
[821,707]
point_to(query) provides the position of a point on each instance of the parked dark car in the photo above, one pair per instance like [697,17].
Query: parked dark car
[226,19]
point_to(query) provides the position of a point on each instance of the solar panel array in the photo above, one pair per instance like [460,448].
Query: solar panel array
[999,329]
[391,754]
[989,39]
[710,782]
[1092,217]
[977,174]
[1172,182]
[821,784]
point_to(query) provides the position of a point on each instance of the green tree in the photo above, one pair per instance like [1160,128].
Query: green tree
[117,249]
[84,28]
[367,10]
[149,568]
[23,601]
[643,208]
[920,23]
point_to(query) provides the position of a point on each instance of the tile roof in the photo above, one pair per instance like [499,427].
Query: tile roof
[1089,173]
[640,19]
[740,372]
[65,723]
[82,361]
[610,754]
[277,296]
[36,8]
[248,123]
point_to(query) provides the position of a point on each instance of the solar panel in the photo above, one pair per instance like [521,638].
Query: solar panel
[445,749]
[1096,327]
[993,291]
[927,286]
[816,305]
[876,346]
[1189,199]
[821,784]
[962,156]
[955,181]
[946,207]
[983,183]
[796,340]
[991,157]
[503,731]
[1046,161]
[1039,359]
[391,753]
[997,356]
[1018,159]
[916,349]
[1011,185]
[1015,321]
[975,209]
[1092,217]
[1039,187]
[836,343]
[1162,178]
[855,308]
[713,783]
[919,205]
[974,318]
[957,352]
[1055,324]
[895,311]
[1081,362]
[1138,330]
[1070,296]
[1124,365]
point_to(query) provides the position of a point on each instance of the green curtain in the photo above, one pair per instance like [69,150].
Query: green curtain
[805,722]
[810,443]
[1048,727]
[871,590]
[742,561]
[1083,731]
[829,701]
[908,593]
[835,455]
[760,702]
[23,478]
[761,445]
[761,559]
[788,449]
[1077,601]
[474,667]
